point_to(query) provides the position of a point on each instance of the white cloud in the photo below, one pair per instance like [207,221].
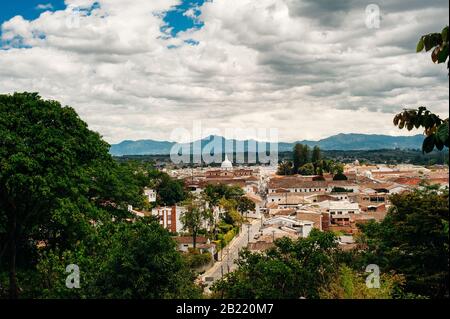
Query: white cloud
[257,64]
[47,6]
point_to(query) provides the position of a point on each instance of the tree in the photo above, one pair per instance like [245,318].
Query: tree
[348,284]
[244,205]
[285,168]
[304,155]
[214,193]
[436,129]
[52,176]
[316,156]
[63,200]
[291,269]
[339,177]
[412,240]
[300,156]
[297,160]
[195,216]
[143,264]
[122,261]
[232,216]
[307,169]
[169,191]
[439,43]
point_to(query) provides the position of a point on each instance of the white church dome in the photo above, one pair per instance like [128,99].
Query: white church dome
[226,164]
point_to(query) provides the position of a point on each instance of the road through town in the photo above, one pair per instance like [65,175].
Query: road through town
[229,255]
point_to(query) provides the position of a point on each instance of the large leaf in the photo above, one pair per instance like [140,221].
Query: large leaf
[420,45]
[443,54]
[434,54]
[444,34]
[439,144]
[442,133]
[428,144]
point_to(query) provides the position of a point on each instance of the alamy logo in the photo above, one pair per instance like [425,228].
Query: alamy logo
[373,16]
[73,279]
[261,145]
[373,280]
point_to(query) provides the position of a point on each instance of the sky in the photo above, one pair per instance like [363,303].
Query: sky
[309,68]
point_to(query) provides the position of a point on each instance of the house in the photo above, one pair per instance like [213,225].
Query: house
[258,201]
[150,194]
[169,217]
[311,215]
[341,212]
[286,199]
[290,224]
[260,245]
[203,244]
[296,184]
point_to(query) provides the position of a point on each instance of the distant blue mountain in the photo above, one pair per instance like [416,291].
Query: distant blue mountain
[343,142]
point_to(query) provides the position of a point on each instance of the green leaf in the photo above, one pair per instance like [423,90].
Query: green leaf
[428,144]
[442,133]
[444,34]
[428,121]
[410,126]
[420,45]
[427,43]
[434,54]
[439,144]
[443,54]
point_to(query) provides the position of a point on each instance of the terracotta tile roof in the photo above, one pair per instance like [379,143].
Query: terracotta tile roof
[260,245]
[272,205]
[283,212]
[408,180]
[294,182]
[254,198]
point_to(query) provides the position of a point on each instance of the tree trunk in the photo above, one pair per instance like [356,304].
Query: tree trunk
[194,239]
[13,287]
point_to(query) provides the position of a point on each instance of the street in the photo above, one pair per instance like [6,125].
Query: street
[230,254]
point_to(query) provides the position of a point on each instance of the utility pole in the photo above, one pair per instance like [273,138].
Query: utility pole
[273,235]
[248,233]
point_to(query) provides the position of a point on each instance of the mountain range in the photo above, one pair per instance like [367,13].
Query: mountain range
[341,141]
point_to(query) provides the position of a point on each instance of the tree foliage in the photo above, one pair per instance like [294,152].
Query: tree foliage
[349,284]
[292,269]
[413,241]
[438,43]
[300,156]
[63,200]
[196,215]
[436,129]
[169,191]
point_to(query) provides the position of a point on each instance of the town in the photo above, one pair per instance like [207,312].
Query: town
[285,206]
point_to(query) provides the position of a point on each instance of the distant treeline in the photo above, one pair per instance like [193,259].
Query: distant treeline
[387,156]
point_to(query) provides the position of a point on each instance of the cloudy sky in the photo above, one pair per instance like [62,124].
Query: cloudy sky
[310,68]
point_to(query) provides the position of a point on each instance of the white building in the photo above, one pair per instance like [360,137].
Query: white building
[169,217]
[288,223]
[150,194]
[341,212]
[226,164]
[258,201]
